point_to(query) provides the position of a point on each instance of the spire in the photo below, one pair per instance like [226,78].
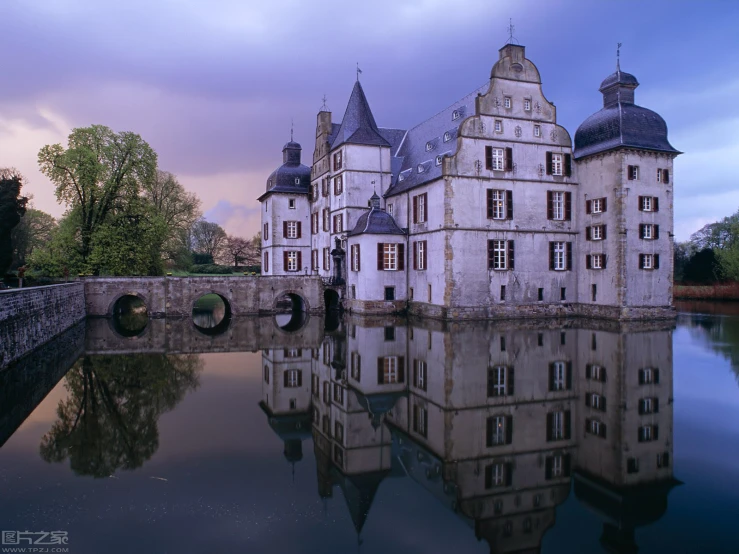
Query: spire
[618,57]
[292,125]
[358,125]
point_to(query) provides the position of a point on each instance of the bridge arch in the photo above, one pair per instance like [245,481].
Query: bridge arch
[128,315]
[217,327]
[299,303]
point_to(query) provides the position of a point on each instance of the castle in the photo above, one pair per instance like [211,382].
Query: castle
[484,210]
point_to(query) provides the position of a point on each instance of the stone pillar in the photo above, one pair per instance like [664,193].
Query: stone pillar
[339,255]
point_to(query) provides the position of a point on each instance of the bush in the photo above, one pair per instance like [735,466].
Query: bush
[211,269]
[202,259]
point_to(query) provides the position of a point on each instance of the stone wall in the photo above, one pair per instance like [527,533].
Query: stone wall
[31,317]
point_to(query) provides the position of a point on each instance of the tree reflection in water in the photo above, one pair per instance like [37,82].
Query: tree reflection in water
[109,419]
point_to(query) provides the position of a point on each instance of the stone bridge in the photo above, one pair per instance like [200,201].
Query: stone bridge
[175,296]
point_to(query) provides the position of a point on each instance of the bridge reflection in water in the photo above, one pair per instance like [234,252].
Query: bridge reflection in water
[499,422]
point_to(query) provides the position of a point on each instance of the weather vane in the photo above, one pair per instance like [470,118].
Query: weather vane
[291,129]
[324,108]
[359,71]
[618,56]
[511,28]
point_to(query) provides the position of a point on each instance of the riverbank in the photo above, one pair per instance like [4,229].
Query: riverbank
[728,291]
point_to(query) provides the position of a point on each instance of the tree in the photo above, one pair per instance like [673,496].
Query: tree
[236,248]
[12,208]
[208,238]
[702,268]
[35,230]
[97,174]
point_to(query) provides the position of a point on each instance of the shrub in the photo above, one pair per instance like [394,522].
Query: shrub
[211,269]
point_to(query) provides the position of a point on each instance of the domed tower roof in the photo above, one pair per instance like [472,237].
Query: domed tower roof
[291,177]
[621,123]
[376,221]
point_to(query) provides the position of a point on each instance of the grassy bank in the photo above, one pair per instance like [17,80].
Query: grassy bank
[728,291]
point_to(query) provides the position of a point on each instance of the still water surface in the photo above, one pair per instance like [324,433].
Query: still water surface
[381,436]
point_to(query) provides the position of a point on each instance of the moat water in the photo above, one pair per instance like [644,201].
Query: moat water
[379,435]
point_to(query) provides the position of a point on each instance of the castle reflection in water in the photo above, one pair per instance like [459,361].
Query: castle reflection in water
[498,421]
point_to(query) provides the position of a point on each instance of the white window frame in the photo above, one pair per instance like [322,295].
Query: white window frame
[648,231]
[595,374]
[596,401]
[355,257]
[420,254]
[292,260]
[292,229]
[291,203]
[596,261]
[429,146]
[327,258]
[500,254]
[390,370]
[560,376]
[497,474]
[558,425]
[390,209]
[646,433]
[498,159]
[634,173]
[647,203]
[420,420]
[421,202]
[557,163]
[527,104]
[596,232]
[507,102]
[597,206]
[537,130]
[338,223]
[557,466]
[314,260]
[560,256]
[326,219]
[594,427]
[648,262]
[499,204]
[422,374]
[648,405]
[498,126]
[390,256]
[500,380]
[648,375]
[292,378]
[558,205]
[447,136]
[498,436]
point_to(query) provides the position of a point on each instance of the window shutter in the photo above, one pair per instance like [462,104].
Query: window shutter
[602,430]
[550,424]
[511,255]
[566,465]
[548,467]
[666,176]
[425,254]
[656,232]
[508,474]
[641,261]
[588,233]
[568,165]
[401,257]
[415,209]
[588,371]
[549,163]
[603,374]
[605,204]
[550,205]
[569,256]
[359,258]
[380,370]
[284,260]
[603,403]
[588,206]
[380,250]
[510,375]
[509,429]
[656,261]
[551,256]
[490,254]
[551,377]
[655,403]
[284,379]
[588,262]
[640,199]
[266,261]
[630,172]
[415,255]
[509,204]
[300,259]
[489,157]
[655,204]
[300,378]
[509,159]
[300,229]
[641,406]
[567,424]
[641,376]
[641,230]
[401,369]
[284,229]
[604,261]
[490,203]
[489,432]
[568,206]
[588,401]
[415,373]
[655,432]
[605,228]
[656,376]
[568,382]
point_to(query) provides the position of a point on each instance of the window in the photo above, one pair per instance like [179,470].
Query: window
[455,115]
[559,205]
[438,160]
[389,294]
[500,381]
[291,203]
[502,344]
[420,204]
[648,376]
[498,126]
[339,432]
[447,136]
[595,427]
[420,420]
[500,254]
[507,101]
[355,258]
[560,376]
[338,185]
[326,259]
[338,456]
[540,339]
[265,233]
[390,370]
[410,293]
[314,192]
[537,130]
[648,261]
[429,146]
[649,231]
[420,374]
[354,292]
[648,433]
[632,465]
[293,352]
[389,333]
[292,260]
[558,425]
[266,374]
[648,406]
[338,394]
[595,261]
[595,401]
[540,294]
[557,466]
[633,172]
[324,186]
[499,159]
[556,164]
[337,160]
[339,223]
[499,430]
[663,460]
[595,206]
[266,262]
[560,256]
[497,475]
[390,256]
[419,255]
[291,229]
[314,223]
[663,176]
[325,219]
[500,204]
[293,378]
[559,164]
[502,293]
[314,260]
[594,289]
[390,209]
[527,105]
[648,204]
[315,385]
[356,366]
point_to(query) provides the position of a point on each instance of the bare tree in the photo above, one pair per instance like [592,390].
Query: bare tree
[236,248]
[208,238]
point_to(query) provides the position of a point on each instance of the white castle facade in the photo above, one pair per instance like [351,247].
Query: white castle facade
[484,210]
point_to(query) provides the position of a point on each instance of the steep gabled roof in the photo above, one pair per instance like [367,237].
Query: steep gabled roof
[358,125]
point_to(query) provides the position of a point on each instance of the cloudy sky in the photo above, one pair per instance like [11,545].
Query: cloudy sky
[212,85]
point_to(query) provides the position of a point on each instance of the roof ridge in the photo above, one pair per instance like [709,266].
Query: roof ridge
[449,106]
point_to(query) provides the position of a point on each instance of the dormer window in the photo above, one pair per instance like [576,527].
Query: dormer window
[269,184]
[507,101]
[447,136]
[455,115]
[401,177]
[420,168]
[438,160]
[429,146]
[297,180]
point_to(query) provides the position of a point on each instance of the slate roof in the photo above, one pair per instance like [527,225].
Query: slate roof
[376,222]
[358,125]
[291,177]
[621,123]
[439,133]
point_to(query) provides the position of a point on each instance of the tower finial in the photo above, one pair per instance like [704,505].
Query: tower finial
[618,56]
[291,129]
[359,71]
[324,108]
[511,29]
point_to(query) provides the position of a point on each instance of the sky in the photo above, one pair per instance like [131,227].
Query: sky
[213,85]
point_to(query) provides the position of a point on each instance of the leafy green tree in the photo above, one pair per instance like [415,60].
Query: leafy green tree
[109,419]
[97,174]
[728,254]
[34,231]
[12,208]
